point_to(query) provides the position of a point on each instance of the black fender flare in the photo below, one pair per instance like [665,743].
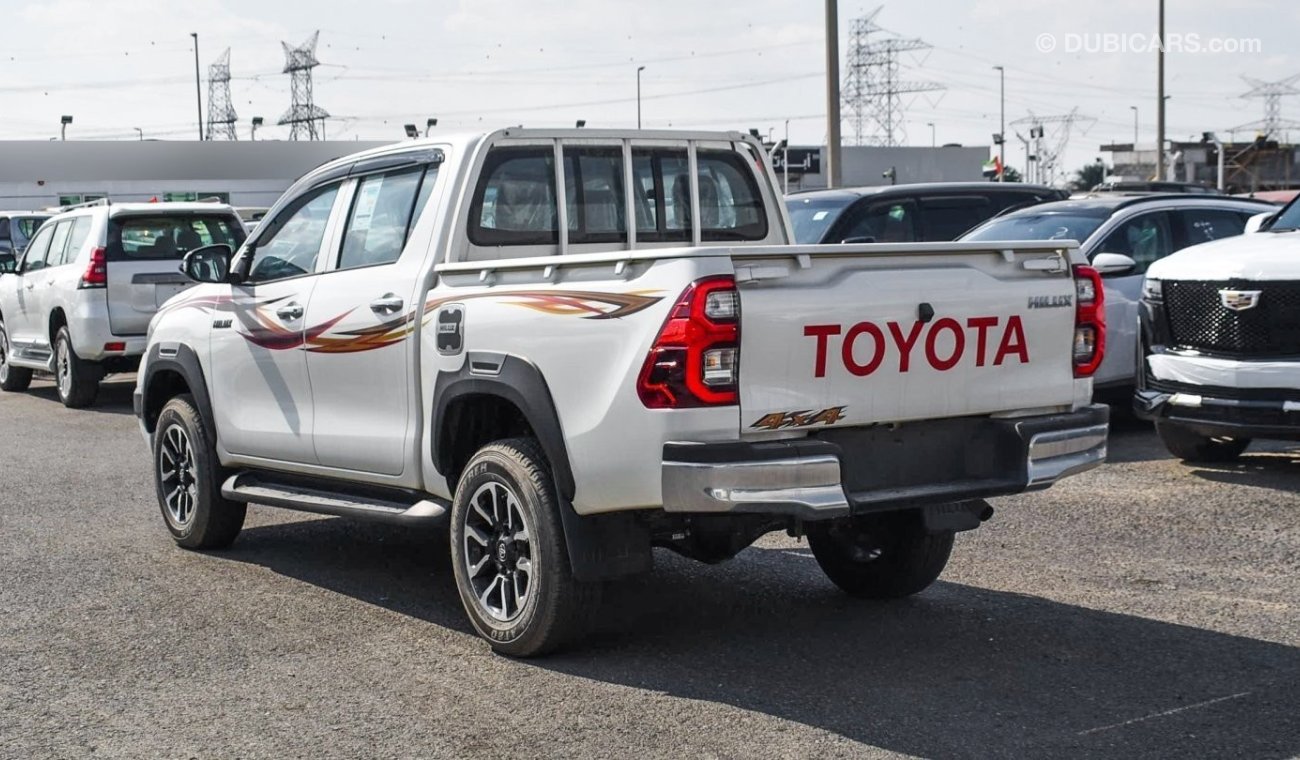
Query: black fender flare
[185,363]
[513,379]
[600,547]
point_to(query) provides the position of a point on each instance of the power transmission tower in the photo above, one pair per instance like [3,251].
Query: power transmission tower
[221,111]
[872,89]
[1051,136]
[1272,125]
[303,112]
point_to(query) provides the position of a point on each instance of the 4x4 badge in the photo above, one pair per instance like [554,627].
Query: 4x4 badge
[1239,300]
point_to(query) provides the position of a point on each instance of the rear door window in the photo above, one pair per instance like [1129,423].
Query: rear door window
[731,205]
[171,236]
[882,222]
[1201,225]
[380,218]
[54,257]
[946,218]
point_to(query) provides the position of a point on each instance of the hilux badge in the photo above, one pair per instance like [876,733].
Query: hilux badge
[1239,300]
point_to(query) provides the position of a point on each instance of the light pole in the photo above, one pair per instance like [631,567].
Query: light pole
[1160,96]
[428,125]
[140,132]
[1002,121]
[198,96]
[1135,128]
[832,93]
[639,69]
[63,127]
[930,124]
[785,161]
[257,122]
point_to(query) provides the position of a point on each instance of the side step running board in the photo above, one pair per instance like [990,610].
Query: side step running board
[265,488]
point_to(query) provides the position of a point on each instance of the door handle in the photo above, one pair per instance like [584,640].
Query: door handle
[387,304]
[289,312]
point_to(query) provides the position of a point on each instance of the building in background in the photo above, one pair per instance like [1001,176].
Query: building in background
[40,174]
[1256,166]
[871,165]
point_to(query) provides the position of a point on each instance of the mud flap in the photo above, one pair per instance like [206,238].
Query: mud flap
[604,547]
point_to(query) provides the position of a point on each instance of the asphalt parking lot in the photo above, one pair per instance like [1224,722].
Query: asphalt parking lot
[1144,609]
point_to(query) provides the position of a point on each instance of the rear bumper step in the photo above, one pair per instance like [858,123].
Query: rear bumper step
[883,468]
[320,497]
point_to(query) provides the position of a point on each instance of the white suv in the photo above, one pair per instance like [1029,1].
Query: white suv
[79,301]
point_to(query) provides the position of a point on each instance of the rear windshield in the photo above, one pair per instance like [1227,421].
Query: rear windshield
[812,217]
[145,238]
[1030,225]
[21,229]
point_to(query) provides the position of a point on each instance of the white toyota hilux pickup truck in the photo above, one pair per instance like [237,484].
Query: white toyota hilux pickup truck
[573,346]
[1219,357]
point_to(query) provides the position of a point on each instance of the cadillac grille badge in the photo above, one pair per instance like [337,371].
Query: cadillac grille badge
[1239,300]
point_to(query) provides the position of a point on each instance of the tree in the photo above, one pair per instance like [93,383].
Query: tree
[1011,174]
[1089,176]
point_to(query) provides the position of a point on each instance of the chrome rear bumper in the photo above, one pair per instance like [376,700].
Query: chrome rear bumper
[852,471]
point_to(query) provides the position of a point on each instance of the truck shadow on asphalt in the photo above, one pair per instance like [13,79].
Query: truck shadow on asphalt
[959,671]
[1278,468]
[113,397]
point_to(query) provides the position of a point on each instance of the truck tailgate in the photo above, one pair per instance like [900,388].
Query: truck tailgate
[855,335]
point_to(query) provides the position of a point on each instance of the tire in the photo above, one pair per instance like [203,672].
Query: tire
[77,379]
[516,585]
[12,379]
[187,479]
[1189,446]
[883,557]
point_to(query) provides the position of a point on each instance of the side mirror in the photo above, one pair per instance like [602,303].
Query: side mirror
[8,264]
[1258,221]
[211,263]
[859,239]
[1113,264]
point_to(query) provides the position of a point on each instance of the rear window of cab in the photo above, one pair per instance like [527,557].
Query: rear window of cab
[516,203]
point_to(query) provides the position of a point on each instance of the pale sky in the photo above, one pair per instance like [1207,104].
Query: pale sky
[119,64]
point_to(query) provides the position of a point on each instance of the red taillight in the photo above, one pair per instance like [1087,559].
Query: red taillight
[96,274]
[115,346]
[1089,321]
[695,360]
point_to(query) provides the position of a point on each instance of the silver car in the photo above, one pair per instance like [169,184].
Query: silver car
[1122,235]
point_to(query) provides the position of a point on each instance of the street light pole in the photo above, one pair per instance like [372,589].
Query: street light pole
[198,94]
[140,131]
[785,162]
[930,124]
[832,93]
[639,69]
[1160,97]
[1135,130]
[1002,122]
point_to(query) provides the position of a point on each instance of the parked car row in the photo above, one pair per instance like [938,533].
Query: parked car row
[78,301]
